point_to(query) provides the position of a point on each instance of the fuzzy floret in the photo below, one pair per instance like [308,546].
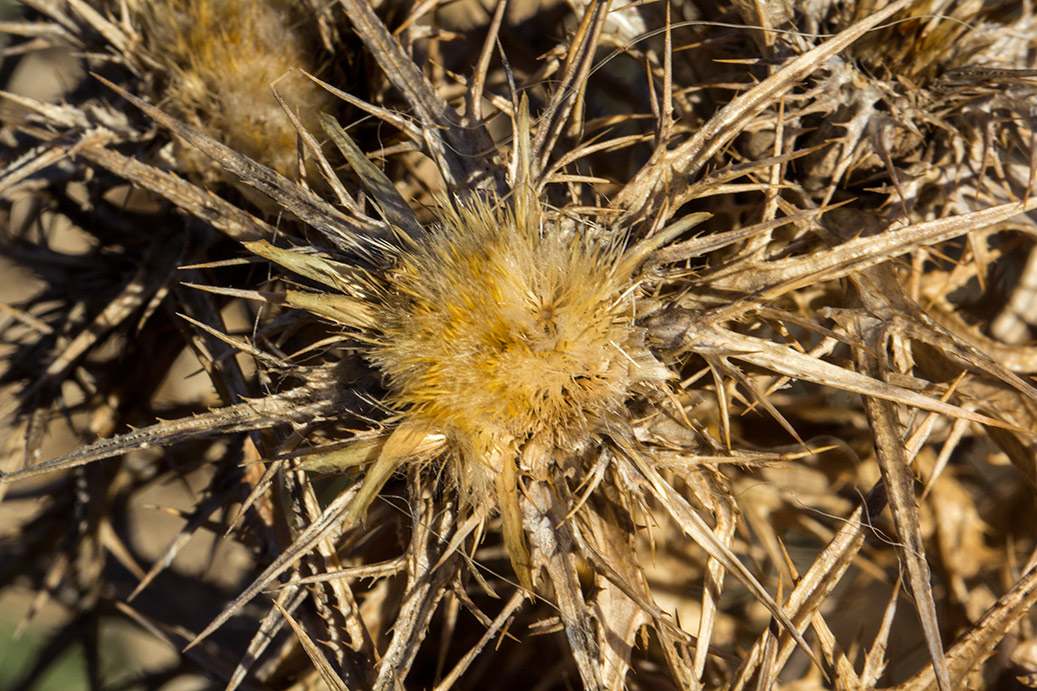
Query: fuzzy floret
[500,334]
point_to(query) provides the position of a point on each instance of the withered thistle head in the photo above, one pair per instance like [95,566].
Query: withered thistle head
[217,64]
[512,338]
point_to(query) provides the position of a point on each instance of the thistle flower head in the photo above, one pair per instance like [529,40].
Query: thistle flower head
[220,59]
[504,335]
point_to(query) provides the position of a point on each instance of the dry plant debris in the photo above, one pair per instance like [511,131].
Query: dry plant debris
[659,345]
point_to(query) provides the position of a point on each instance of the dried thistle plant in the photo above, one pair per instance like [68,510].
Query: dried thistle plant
[647,366]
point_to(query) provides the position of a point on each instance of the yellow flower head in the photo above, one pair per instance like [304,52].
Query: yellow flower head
[511,337]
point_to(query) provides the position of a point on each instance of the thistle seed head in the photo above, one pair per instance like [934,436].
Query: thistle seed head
[507,336]
[220,59]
